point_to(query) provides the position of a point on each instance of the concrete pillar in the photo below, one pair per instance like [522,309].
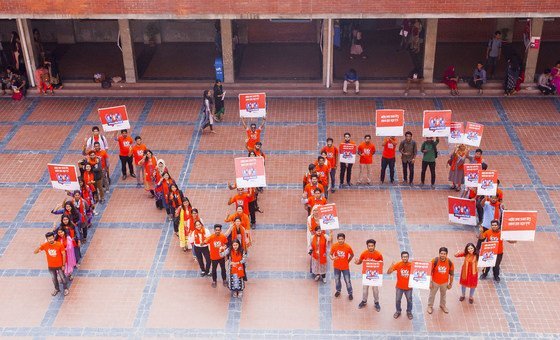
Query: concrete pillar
[26,37]
[328,40]
[430,41]
[65,32]
[127,46]
[533,53]
[503,24]
[227,51]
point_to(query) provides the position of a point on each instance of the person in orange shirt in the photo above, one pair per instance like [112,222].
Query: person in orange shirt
[239,213]
[310,172]
[241,199]
[322,171]
[309,188]
[341,254]
[258,150]
[125,148]
[366,150]
[388,158]
[346,168]
[218,243]
[104,157]
[332,158]
[442,280]
[403,269]
[137,153]
[312,223]
[56,259]
[149,162]
[316,199]
[493,234]
[253,134]
[370,254]
[237,256]
[236,231]
[318,252]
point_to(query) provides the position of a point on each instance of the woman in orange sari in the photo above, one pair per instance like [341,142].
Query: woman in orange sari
[149,161]
[318,252]
[469,271]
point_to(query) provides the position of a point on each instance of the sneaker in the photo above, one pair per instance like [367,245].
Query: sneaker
[350,297]
[133,175]
[362,304]
[462,298]
[482,276]
[396,315]
[337,294]
[225,283]
[497,279]
[333,190]
[66,292]
[430,310]
[202,274]
[409,315]
[55,292]
[123,177]
[444,309]
[377,307]
[214,284]
[471,301]
[349,184]
[317,277]
[324,280]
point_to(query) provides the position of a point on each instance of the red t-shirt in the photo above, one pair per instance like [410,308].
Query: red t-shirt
[323,174]
[332,155]
[403,272]
[138,152]
[491,235]
[440,273]
[54,254]
[366,152]
[342,253]
[367,255]
[241,200]
[104,157]
[215,243]
[310,188]
[124,145]
[253,138]
[389,148]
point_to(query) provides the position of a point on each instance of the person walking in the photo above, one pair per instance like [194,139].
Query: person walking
[200,248]
[218,243]
[206,111]
[403,270]
[469,271]
[442,280]
[56,259]
[370,254]
[341,254]
[429,149]
[388,158]
[219,95]
[125,152]
[408,150]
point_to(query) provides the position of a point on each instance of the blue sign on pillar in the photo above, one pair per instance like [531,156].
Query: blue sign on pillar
[219,67]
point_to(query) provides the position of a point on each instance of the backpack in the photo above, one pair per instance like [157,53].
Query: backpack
[106,84]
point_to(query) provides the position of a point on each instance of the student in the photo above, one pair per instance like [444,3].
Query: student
[370,254]
[403,269]
[315,200]
[245,222]
[176,199]
[96,137]
[442,280]
[184,213]
[312,223]
[56,259]
[332,158]
[64,238]
[544,83]
[218,243]
[493,234]
[450,78]
[258,150]
[104,158]
[429,149]
[351,77]
[416,76]
[125,152]
[456,164]
[253,134]
[137,153]
[469,271]
[149,163]
[388,158]
[322,171]
[341,254]
[346,168]
[479,77]
[241,199]
[310,188]
[238,232]
[318,252]
[200,247]
[237,257]
[97,170]
[366,150]
[206,111]
[408,151]
[493,53]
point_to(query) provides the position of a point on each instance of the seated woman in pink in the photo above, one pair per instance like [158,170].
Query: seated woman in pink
[450,79]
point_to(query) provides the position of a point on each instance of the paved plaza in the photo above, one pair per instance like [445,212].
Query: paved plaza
[135,281]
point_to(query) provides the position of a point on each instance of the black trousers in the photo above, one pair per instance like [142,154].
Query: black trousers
[496,268]
[432,166]
[391,163]
[408,169]
[203,258]
[475,84]
[124,161]
[345,168]
[222,263]
[252,211]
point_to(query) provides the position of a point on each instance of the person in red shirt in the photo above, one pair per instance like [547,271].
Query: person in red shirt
[316,199]
[258,150]
[370,254]
[310,172]
[322,171]
[56,259]
[442,280]
[253,134]
[104,156]
[366,150]
[137,153]
[493,234]
[341,254]
[243,217]
[388,158]
[403,270]
[125,152]
[318,252]
[346,168]
[332,158]
[309,188]
[241,199]
[218,243]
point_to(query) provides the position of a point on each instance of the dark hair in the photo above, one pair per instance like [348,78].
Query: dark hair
[366,136]
[49,234]
[370,241]
[258,143]
[137,138]
[347,133]
[497,32]
[317,228]
[478,150]
[443,249]
[495,221]
[237,218]
[480,62]
[468,245]
[484,166]
[219,226]
[341,235]
[96,143]
[311,166]
[404,252]
[146,153]
[251,153]
[408,133]
[240,248]
[124,130]
[95,128]
[317,190]
[194,210]
[314,176]
[320,157]
[547,71]
[352,71]
[330,139]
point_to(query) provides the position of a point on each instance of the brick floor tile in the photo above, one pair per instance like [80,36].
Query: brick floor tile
[536,303]
[25,137]
[56,109]
[28,298]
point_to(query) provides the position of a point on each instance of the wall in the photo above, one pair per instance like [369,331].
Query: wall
[6,28]
[263,31]
[177,30]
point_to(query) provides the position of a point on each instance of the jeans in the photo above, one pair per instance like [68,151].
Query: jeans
[201,252]
[491,64]
[345,168]
[375,291]
[222,263]
[496,268]
[55,273]
[99,189]
[391,163]
[464,290]
[124,161]
[333,177]
[434,287]
[347,281]
[408,167]
[105,179]
[432,166]
[408,295]
[140,174]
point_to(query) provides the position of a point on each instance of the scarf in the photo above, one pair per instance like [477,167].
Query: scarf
[319,248]
[472,259]
[237,268]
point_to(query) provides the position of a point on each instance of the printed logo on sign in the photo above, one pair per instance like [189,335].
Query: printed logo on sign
[419,276]
[372,274]
[494,238]
[488,256]
[249,174]
[405,272]
[461,211]
[252,106]
[472,177]
[471,135]
[436,123]
[63,179]
[329,218]
[113,119]
[347,154]
[486,184]
[52,252]
[455,133]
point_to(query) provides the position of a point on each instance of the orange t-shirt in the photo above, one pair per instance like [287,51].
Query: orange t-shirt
[323,174]
[491,235]
[124,145]
[313,202]
[241,200]
[403,272]
[440,274]
[366,152]
[332,155]
[54,254]
[215,243]
[138,152]
[309,188]
[245,222]
[104,157]
[253,138]
[367,255]
[342,253]
[389,148]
